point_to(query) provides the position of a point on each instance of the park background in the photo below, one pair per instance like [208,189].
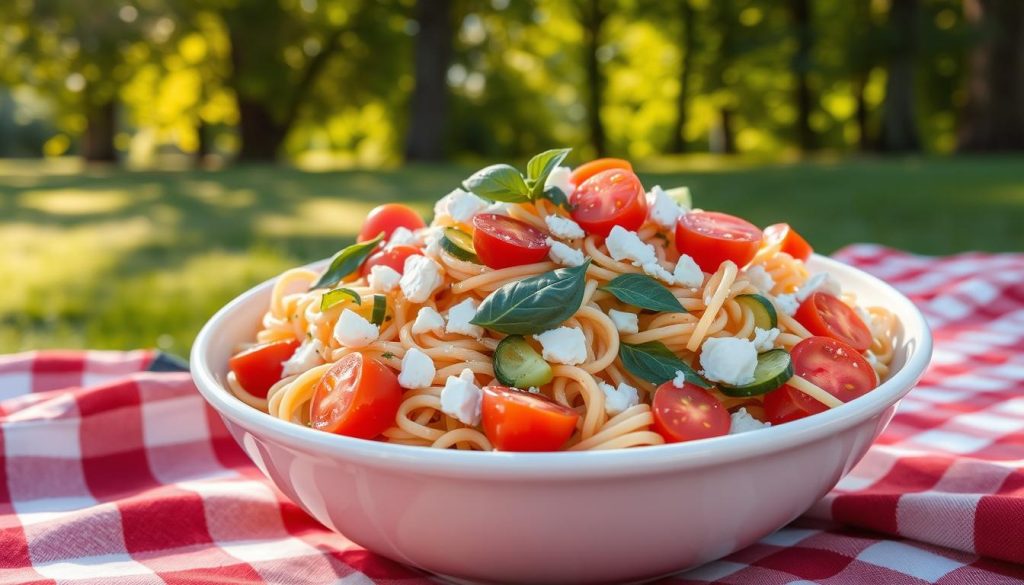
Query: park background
[158,157]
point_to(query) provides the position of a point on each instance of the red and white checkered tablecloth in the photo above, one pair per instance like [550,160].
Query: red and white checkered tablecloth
[111,472]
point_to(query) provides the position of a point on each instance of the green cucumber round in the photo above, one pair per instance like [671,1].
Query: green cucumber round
[765,316]
[774,368]
[518,365]
[380,309]
[459,244]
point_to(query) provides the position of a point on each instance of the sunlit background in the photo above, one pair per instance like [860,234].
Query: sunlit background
[159,156]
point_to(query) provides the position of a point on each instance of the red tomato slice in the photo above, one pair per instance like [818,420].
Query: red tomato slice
[387,218]
[825,315]
[711,238]
[789,241]
[259,367]
[501,241]
[393,256]
[609,198]
[829,364]
[589,169]
[688,413]
[357,397]
[514,420]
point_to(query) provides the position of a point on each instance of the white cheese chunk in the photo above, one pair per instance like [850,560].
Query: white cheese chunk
[618,400]
[742,422]
[565,345]
[656,270]
[428,319]
[820,282]
[680,380]
[563,254]
[760,278]
[625,322]
[787,304]
[560,177]
[421,276]
[687,273]
[661,208]
[461,398]
[460,205]
[498,208]
[352,330]
[563,227]
[402,236]
[432,241]
[729,360]
[459,317]
[383,278]
[764,340]
[417,370]
[308,355]
[624,245]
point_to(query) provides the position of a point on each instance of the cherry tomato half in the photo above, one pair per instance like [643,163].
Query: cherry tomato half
[609,198]
[387,218]
[393,256]
[501,241]
[789,241]
[357,397]
[711,238]
[825,315]
[259,367]
[514,420]
[829,364]
[589,169]
[688,413]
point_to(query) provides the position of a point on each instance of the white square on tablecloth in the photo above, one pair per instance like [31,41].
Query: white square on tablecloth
[950,441]
[908,559]
[43,438]
[268,550]
[174,421]
[15,384]
[98,567]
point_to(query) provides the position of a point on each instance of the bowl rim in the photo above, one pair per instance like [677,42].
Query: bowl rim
[572,464]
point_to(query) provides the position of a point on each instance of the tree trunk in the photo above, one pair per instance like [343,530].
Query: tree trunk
[993,115]
[800,12]
[861,113]
[425,139]
[593,22]
[722,141]
[678,144]
[98,140]
[899,128]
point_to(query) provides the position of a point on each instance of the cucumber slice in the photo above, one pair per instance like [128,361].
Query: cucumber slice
[681,195]
[380,309]
[773,369]
[518,365]
[459,244]
[765,316]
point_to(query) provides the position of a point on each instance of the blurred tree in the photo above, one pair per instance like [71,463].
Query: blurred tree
[899,125]
[687,46]
[722,139]
[800,13]
[429,111]
[593,14]
[993,115]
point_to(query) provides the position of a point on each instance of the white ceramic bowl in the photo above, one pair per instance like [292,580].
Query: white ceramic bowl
[608,516]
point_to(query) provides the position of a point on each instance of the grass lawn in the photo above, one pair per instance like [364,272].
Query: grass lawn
[117,259]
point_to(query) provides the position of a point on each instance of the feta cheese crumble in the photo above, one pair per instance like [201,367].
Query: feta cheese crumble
[428,319]
[417,370]
[820,282]
[787,304]
[460,205]
[461,398]
[498,208]
[618,400]
[402,236]
[742,422]
[680,380]
[352,330]
[383,278]
[563,227]
[687,273]
[304,358]
[420,278]
[565,345]
[625,322]
[760,278]
[729,360]
[432,241]
[662,209]
[764,340]
[459,317]
[626,245]
[563,254]
[560,178]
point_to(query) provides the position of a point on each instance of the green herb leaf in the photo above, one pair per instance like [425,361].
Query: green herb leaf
[656,363]
[499,183]
[346,262]
[555,195]
[387,355]
[380,308]
[333,297]
[540,166]
[643,291]
[534,304]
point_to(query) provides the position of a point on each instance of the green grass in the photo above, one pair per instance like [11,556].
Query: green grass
[117,259]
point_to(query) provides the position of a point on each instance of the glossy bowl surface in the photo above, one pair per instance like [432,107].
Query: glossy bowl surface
[592,517]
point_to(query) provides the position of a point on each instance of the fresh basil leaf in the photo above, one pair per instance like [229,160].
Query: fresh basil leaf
[643,291]
[498,183]
[333,297]
[534,304]
[540,166]
[656,363]
[555,195]
[346,262]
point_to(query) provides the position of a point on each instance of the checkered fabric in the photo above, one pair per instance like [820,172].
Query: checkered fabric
[113,472]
